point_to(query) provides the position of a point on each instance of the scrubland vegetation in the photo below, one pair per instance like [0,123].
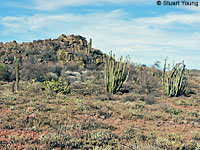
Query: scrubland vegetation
[117,105]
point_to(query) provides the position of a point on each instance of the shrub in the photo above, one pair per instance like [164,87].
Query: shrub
[63,56]
[29,52]
[146,80]
[196,135]
[3,72]
[48,55]
[36,71]
[59,87]
[175,80]
[54,68]
[115,74]
[174,111]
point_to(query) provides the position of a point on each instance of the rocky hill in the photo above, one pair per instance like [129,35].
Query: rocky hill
[50,58]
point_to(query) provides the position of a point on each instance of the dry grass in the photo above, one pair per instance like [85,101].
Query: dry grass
[91,119]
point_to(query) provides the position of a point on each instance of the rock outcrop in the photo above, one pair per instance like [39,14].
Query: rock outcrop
[42,59]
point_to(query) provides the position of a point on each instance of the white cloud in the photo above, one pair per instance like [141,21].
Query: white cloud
[145,39]
[55,4]
[192,8]
[172,18]
[36,22]
[51,5]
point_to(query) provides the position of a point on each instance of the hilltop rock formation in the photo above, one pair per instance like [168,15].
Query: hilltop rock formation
[44,59]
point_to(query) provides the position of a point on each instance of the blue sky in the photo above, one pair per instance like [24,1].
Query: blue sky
[138,28]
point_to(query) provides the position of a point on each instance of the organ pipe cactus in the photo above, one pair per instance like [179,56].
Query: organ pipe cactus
[115,73]
[175,80]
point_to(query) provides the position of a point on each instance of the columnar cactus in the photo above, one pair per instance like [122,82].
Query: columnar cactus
[164,71]
[115,74]
[17,74]
[13,87]
[175,80]
[89,46]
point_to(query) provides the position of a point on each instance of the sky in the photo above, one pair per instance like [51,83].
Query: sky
[145,31]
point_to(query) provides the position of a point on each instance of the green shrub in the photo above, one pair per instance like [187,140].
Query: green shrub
[174,111]
[176,142]
[193,114]
[115,74]
[64,57]
[3,71]
[175,80]
[59,87]
[196,135]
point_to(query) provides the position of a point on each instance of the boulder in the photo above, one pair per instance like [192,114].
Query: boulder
[51,75]
[71,76]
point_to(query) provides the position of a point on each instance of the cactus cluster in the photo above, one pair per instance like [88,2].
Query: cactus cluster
[175,80]
[115,73]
